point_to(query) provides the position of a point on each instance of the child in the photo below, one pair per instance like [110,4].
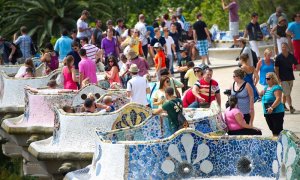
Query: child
[123,70]
[107,100]
[68,109]
[89,105]
[28,73]
[97,106]
[190,75]
[182,66]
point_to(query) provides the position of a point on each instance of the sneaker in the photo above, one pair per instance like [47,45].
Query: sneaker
[285,108]
[292,110]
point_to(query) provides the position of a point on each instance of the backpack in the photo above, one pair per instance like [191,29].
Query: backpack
[254,58]
[182,122]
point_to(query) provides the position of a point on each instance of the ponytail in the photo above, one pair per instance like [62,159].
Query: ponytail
[232,101]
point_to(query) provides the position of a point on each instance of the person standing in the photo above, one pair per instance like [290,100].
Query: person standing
[92,52]
[24,42]
[143,33]
[294,32]
[159,59]
[5,56]
[82,26]
[246,50]
[87,68]
[272,106]
[137,87]
[201,37]
[75,54]
[69,74]
[233,8]
[109,45]
[279,33]
[272,22]
[264,66]
[63,45]
[284,70]
[254,32]
[97,34]
[176,37]
[170,46]
[157,39]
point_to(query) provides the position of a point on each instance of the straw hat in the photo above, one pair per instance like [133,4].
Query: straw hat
[131,54]
[281,18]
[133,68]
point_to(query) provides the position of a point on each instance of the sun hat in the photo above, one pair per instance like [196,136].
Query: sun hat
[131,54]
[157,45]
[133,68]
[281,18]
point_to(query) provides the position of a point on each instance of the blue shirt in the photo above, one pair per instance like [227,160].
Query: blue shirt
[295,29]
[269,97]
[24,43]
[63,46]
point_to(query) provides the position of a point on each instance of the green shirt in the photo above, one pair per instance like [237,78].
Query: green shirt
[172,111]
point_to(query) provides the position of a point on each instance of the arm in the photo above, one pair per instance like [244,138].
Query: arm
[157,111]
[273,31]
[46,57]
[289,33]
[218,98]
[224,6]
[246,33]
[207,33]
[81,78]
[195,35]
[128,93]
[159,64]
[258,66]
[239,120]
[251,103]
[13,50]
[34,90]
[114,72]
[278,94]
[148,90]
[277,72]
[151,51]
[177,84]
[74,75]
[255,77]
[195,91]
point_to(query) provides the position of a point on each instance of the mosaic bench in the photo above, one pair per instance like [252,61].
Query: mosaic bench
[192,154]
[12,90]
[73,136]
[11,70]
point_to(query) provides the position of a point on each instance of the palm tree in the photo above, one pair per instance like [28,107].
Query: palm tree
[45,18]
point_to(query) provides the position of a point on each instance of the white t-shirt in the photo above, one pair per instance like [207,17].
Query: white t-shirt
[169,42]
[138,86]
[81,24]
[143,32]
[21,72]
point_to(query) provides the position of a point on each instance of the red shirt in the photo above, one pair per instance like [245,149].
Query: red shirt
[188,98]
[160,54]
[204,89]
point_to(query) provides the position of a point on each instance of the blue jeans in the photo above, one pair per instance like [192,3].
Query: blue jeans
[171,68]
[195,104]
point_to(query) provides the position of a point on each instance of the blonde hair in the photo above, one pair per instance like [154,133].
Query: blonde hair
[274,78]
[267,51]
[107,99]
[91,96]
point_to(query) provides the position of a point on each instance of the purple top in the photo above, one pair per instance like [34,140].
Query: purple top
[233,12]
[142,65]
[88,68]
[109,46]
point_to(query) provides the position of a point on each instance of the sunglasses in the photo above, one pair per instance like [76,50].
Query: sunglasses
[110,61]
[268,78]
[197,71]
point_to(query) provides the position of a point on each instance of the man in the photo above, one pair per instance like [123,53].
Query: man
[109,46]
[97,34]
[75,54]
[233,8]
[173,106]
[157,38]
[201,38]
[272,22]
[92,51]
[294,32]
[254,32]
[143,33]
[120,28]
[245,50]
[82,26]
[74,36]
[178,25]
[170,46]
[176,37]
[24,42]
[63,45]
[6,56]
[284,70]
[137,87]
[87,68]
[182,66]
[206,90]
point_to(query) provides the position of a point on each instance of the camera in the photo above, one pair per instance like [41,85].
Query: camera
[227,92]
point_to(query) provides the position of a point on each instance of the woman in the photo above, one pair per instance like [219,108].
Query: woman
[22,71]
[113,74]
[272,106]
[235,121]
[69,73]
[133,41]
[251,76]
[243,91]
[264,66]
[279,31]
[159,59]
[50,58]
[159,96]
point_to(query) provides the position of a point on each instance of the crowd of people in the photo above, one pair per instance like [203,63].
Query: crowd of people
[123,54]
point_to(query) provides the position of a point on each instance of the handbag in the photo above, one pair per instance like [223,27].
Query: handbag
[60,79]
[176,91]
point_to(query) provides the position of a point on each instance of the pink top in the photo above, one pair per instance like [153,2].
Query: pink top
[68,80]
[116,78]
[232,124]
[88,68]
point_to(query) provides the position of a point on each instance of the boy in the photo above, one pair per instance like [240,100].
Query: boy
[107,100]
[190,75]
[182,66]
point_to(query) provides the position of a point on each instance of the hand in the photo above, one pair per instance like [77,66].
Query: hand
[269,110]
[200,99]
[108,108]
[10,57]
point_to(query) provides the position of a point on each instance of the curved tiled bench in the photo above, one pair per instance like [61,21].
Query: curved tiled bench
[11,70]
[73,136]
[189,153]
[12,90]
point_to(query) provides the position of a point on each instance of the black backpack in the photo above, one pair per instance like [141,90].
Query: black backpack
[255,58]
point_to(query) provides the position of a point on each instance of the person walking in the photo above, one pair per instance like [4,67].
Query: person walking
[97,34]
[24,42]
[264,66]
[279,33]
[83,29]
[284,70]
[271,103]
[233,9]
[294,32]
[141,27]
[202,38]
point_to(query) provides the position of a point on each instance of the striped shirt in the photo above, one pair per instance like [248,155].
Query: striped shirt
[24,43]
[204,89]
[91,51]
